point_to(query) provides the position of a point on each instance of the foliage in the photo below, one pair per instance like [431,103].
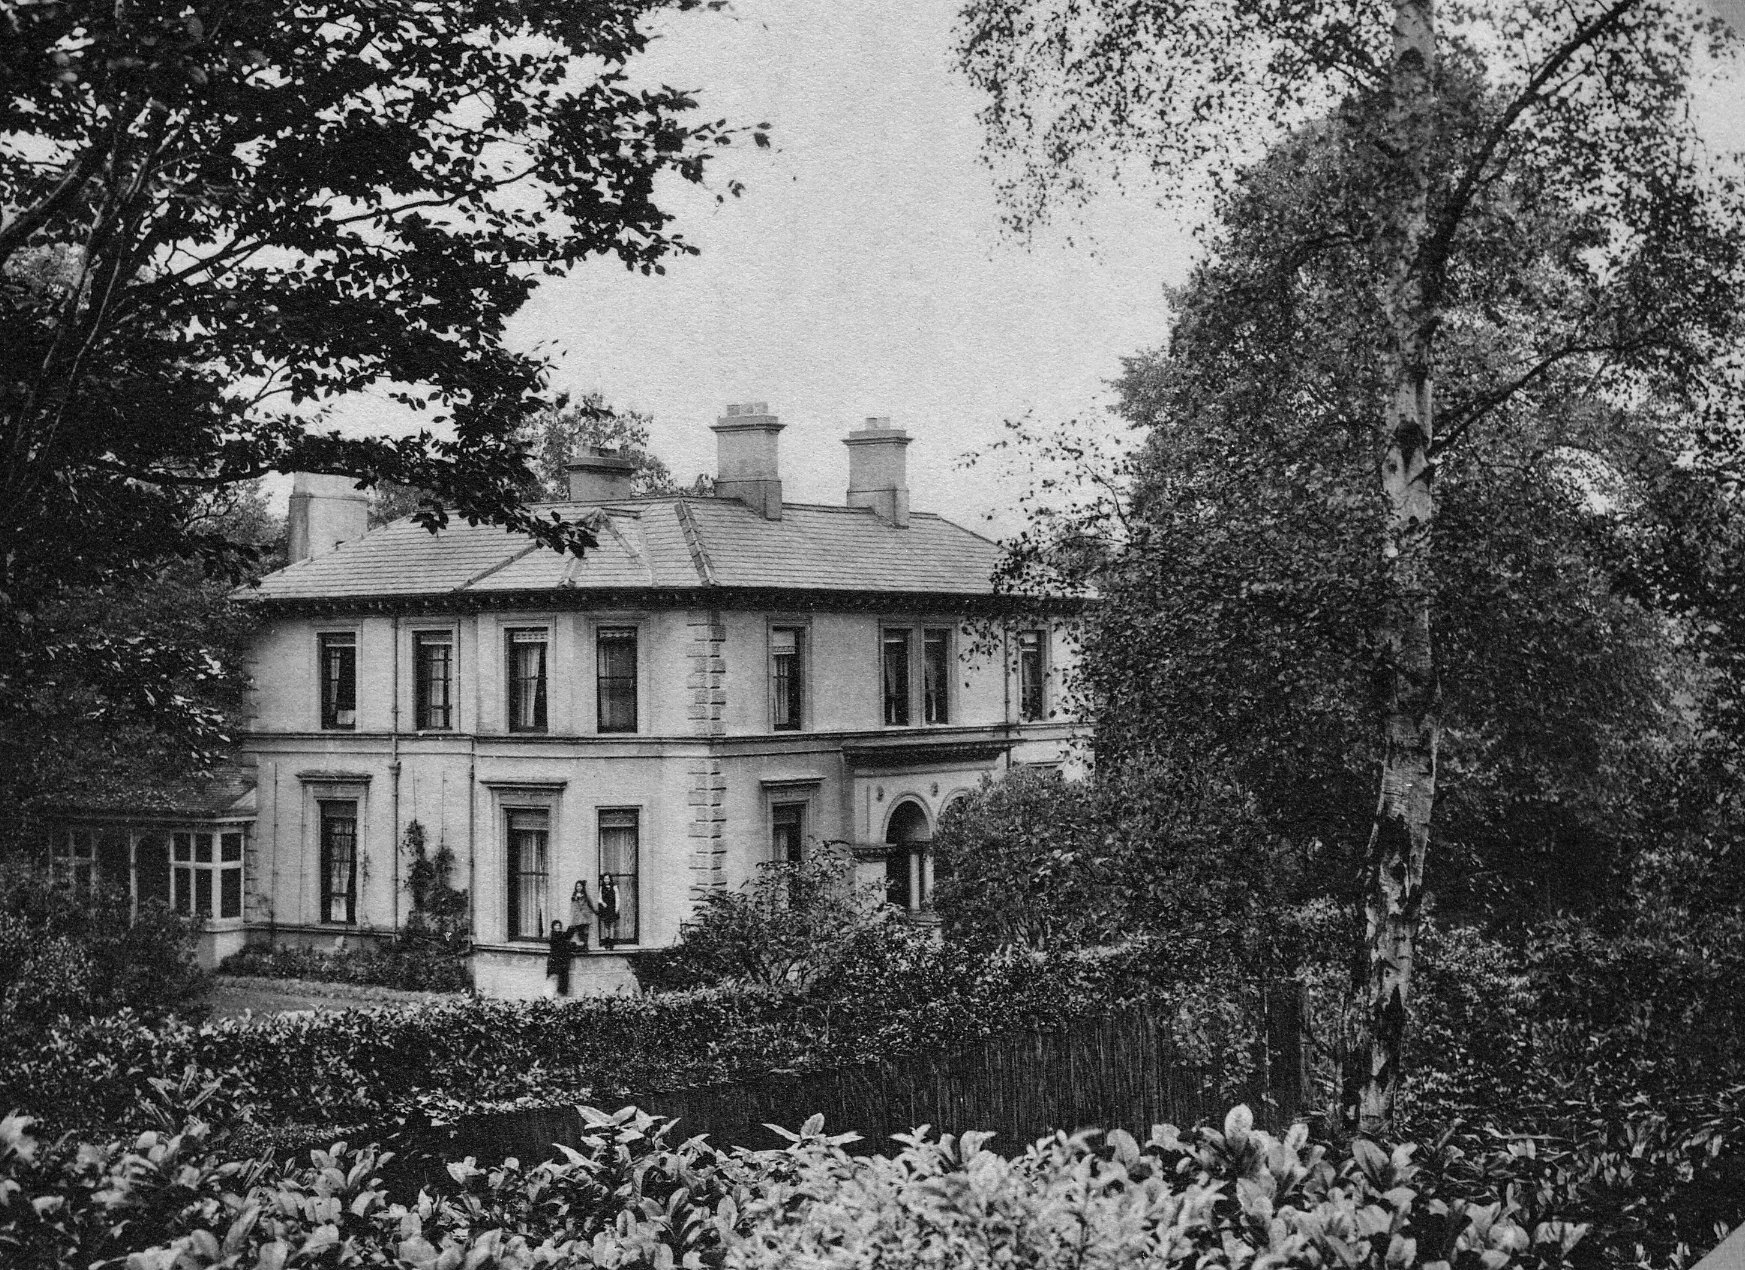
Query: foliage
[557,435]
[790,926]
[138,681]
[1229,1198]
[631,1197]
[371,1065]
[1480,231]
[1164,852]
[221,219]
[73,954]
[396,963]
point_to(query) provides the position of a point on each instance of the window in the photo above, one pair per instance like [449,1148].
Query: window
[339,680]
[529,843]
[208,883]
[527,681]
[73,859]
[1031,666]
[433,667]
[901,676]
[896,678]
[787,827]
[936,676]
[787,648]
[338,862]
[620,835]
[616,681]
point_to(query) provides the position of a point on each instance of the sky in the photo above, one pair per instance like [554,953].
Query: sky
[863,271]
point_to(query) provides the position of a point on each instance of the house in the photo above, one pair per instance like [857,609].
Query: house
[723,681]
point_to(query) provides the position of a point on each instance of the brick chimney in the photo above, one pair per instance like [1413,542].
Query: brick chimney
[745,458]
[600,476]
[326,510]
[877,472]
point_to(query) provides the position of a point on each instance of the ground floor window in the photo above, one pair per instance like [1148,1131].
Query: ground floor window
[339,861]
[787,830]
[73,859]
[620,851]
[206,874]
[197,871]
[529,852]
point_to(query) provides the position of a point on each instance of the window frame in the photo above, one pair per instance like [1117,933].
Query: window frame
[195,881]
[67,863]
[324,864]
[628,903]
[512,720]
[793,852]
[799,714]
[328,704]
[1040,712]
[921,708]
[515,931]
[605,632]
[447,638]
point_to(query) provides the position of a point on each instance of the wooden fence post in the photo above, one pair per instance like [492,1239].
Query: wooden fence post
[1287,1058]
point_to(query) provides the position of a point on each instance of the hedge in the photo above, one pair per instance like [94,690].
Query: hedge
[372,1066]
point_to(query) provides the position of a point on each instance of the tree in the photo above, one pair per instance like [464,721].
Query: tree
[140,681]
[557,435]
[218,217]
[1578,107]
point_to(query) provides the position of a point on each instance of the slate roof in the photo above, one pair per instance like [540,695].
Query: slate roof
[656,543]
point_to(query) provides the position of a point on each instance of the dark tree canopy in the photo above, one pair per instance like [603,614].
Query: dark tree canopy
[216,217]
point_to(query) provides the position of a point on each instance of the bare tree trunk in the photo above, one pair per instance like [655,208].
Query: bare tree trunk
[1400,835]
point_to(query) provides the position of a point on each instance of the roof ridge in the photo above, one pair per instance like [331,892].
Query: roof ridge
[694,542]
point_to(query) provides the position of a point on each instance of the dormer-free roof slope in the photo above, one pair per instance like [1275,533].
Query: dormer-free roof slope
[666,543]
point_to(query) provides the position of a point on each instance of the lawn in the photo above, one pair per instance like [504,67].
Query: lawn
[233,995]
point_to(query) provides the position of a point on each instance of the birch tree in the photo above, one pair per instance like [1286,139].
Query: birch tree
[1443,104]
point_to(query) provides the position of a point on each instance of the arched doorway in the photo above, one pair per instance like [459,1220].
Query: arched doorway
[909,863]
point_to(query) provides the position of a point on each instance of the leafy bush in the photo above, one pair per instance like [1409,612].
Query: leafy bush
[68,953]
[1034,860]
[398,963]
[632,1197]
[791,926]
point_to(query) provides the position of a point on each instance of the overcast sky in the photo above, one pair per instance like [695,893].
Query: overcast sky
[863,271]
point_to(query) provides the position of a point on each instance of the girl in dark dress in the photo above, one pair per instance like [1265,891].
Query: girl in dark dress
[562,946]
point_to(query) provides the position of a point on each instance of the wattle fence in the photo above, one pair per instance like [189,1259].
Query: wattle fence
[1120,1071]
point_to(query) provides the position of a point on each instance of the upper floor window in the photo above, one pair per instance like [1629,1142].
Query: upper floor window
[339,680]
[433,667]
[529,850]
[787,649]
[615,653]
[206,871]
[1032,667]
[936,676]
[338,861]
[527,680]
[896,678]
[914,690]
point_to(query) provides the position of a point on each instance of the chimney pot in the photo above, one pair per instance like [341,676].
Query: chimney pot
[877,470]
[326,510]
[747,465]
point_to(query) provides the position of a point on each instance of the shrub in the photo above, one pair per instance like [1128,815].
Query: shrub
[791,926]
[67,953]
[415,966]
[630,1197]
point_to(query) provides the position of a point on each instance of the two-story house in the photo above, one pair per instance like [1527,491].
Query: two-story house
[723,681]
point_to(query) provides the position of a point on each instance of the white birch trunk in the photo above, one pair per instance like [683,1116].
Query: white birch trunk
[1401,832]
